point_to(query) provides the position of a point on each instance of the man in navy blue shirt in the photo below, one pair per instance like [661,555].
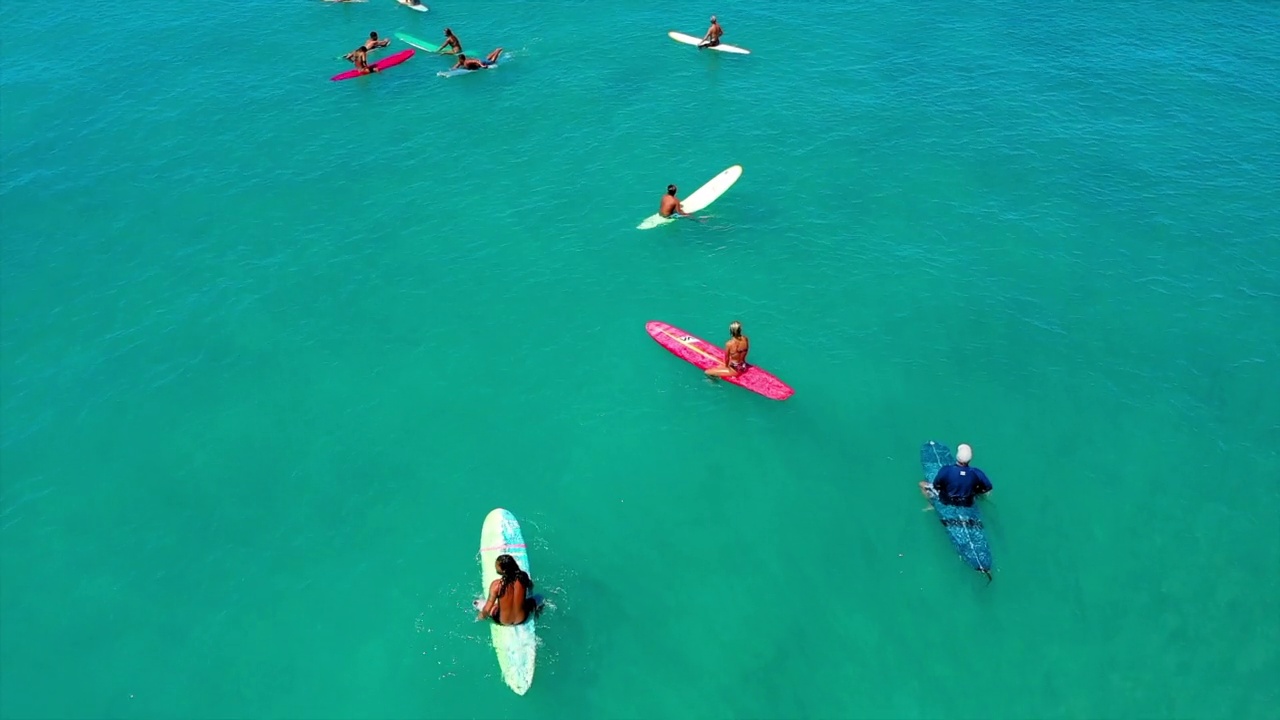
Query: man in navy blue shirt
[958,484]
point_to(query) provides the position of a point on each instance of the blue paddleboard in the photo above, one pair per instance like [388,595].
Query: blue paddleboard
[963,524]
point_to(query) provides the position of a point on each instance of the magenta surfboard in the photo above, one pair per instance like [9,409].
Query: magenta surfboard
[382,64]
[696,351]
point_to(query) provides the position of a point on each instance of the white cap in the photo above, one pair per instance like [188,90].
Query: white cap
[964,453]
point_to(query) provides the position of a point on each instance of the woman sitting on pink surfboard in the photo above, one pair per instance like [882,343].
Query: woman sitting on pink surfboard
[735,354]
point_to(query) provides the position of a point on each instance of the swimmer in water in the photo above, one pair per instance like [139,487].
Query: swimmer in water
[373,43]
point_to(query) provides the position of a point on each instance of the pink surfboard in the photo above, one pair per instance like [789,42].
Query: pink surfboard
[382,64]
[699,352]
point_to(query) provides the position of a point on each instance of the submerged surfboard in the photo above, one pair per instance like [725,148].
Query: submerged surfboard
[699,352]
[700,198]
[516,645]
[963,524]
[383,64]
[691,40]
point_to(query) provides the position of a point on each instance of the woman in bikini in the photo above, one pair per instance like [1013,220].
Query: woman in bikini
[735,354]
[509,600]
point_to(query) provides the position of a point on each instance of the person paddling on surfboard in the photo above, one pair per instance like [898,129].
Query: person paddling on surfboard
[670,204]
[958,484]
[712,38]
[509,601]
[735,354]
[373,43]
[466,63]
[451,44]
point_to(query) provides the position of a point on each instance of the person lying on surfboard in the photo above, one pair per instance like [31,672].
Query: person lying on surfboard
[372,43]
[735,354]
[712,38]
[958,484]
[467,63]
[670,204]
[509,601]
[450,41]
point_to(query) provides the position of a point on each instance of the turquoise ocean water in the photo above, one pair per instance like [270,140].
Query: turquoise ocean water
[273,347]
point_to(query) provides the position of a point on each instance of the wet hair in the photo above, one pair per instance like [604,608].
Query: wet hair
[447,31]
[373,36]
[671,189]
[464,57]
[510,571]
[735,328]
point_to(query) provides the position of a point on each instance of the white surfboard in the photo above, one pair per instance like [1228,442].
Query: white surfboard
[516,645]
[700,198]
[420,7]
[691,40]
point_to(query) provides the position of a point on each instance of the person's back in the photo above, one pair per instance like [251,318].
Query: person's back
[670,204]
[735,351]
[509,602]
[959,484]
[714,32]
[735,354]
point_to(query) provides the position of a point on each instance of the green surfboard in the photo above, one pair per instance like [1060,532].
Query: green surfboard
[421,44]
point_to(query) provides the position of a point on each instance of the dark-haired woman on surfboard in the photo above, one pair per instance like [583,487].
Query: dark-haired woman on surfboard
[452,45]
[509,600]
[735,354]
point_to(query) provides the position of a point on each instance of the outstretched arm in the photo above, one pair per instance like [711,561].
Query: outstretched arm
[487,610]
